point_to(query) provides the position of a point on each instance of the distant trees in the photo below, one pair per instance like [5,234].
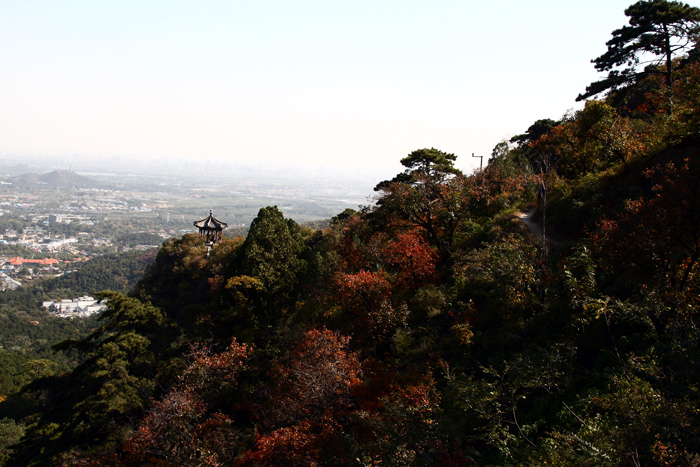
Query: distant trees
[659,31]
[27,335]
[119,272]
[138,238]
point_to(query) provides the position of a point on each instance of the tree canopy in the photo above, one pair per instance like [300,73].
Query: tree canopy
[659,31]
[424,163]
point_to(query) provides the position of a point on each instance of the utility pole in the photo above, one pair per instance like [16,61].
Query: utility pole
[481,160]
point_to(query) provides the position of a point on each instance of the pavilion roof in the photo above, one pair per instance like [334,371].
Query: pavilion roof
[211,223]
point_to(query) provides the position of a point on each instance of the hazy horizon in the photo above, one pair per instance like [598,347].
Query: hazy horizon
[189,167]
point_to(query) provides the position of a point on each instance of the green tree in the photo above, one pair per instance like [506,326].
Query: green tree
[426,195]
[171,281]
[10,433]
[272,254]
[432,164]
[534,132]
[524,154]
[658,32]
[93,406]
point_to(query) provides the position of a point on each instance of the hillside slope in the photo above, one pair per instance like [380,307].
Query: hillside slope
[56,178]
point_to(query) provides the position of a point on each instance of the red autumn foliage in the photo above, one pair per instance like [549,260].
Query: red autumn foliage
[367,297]
[414,259]
[313,391]
[181,429]
[317,380]
[303,444]
[400,424]
[349,244]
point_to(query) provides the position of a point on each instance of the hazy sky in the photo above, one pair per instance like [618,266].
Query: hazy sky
[324,82]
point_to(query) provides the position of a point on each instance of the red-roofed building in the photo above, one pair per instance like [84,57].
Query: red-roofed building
[19,261]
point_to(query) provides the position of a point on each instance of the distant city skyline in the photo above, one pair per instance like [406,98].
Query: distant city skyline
[343,85]
[214,168]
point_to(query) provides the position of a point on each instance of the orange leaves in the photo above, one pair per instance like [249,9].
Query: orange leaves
[215,282]
[606,230]
[312,391]
[292,446]
[208,370]
[374,300]
[349,244]
[367,297]
[414,259]
[363,291]
[407,254]
[497,189]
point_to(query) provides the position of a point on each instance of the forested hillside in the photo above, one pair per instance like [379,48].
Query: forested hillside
[28,332]
[432,327]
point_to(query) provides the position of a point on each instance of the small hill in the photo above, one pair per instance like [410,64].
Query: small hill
[57,178]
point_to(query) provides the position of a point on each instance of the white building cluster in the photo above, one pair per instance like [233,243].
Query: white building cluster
[75,308]
[6,282]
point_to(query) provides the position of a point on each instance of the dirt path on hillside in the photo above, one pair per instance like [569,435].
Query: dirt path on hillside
[532,226]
